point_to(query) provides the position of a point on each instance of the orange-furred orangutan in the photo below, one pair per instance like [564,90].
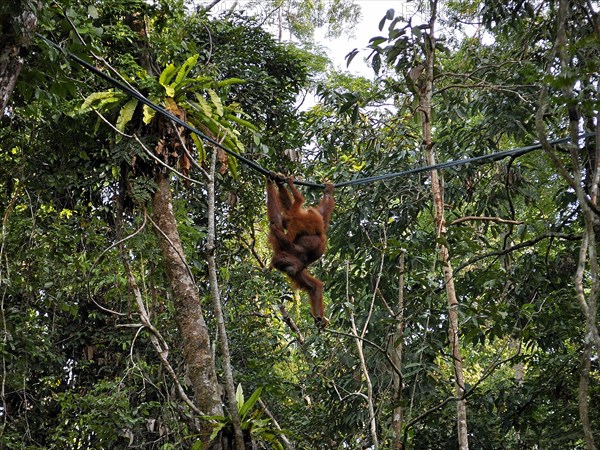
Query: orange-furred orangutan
[298,236]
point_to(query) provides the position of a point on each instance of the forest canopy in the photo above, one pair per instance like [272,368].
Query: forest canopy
[139,305]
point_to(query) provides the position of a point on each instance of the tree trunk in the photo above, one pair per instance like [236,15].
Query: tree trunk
[587,275]
[584,388]
[358,338]
[14,40]
[188,313]
[218,309]
[396,356]
[425,107]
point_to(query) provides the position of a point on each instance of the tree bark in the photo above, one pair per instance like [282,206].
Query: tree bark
[211,5]
[396,347]
[367,377]
[358,338]
[425,107]
[197,351]
[14,40]
[584,388]
[218,309]
[587,275]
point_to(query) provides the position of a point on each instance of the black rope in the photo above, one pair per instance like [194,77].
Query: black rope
[269,174]
[458,162]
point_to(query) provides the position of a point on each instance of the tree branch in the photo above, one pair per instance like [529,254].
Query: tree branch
[516,247]
[486,219]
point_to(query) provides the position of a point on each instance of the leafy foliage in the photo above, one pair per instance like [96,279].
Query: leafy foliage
[75,374]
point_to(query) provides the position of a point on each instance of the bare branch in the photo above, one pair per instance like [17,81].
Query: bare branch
[211,5]
[290,322]
[525,244]
[486,219]
[286,442]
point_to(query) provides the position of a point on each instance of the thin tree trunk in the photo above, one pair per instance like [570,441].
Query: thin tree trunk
[188,313]
[216,295]
[584,387]
[15,38]
[365,372]
[280,23]
[588,244]
[363,365]
[425,107]
[587,268]
[396,356]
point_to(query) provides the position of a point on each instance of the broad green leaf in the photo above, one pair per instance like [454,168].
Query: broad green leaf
[377,40]
[239,395]
[234,143]
[167,75]
[149,114]
[242,122]
[233,164]
[376,63]
[202,82]
[250,403]
[199,148]
[218,427]
[125,116]
[93,12]
[185,68]
[206,109]
[216,100]
[230,81]
[170,91]
[98,100]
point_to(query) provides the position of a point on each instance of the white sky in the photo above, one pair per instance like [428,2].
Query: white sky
[368,27]
[372,13]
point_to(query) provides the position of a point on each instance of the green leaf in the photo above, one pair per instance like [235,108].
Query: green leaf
[250,403]
[350,56]
[93,12]
[199,148]
[377,40]
[242,122]
[230,81]
[206,109]
[216,100]
[233,165]
[167,75]
[239,396]
[125,116]
[149,114]
[377,63]
[170,91]
[186,67]
[218,427]
[200,81]
[389,15]
[98,100]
